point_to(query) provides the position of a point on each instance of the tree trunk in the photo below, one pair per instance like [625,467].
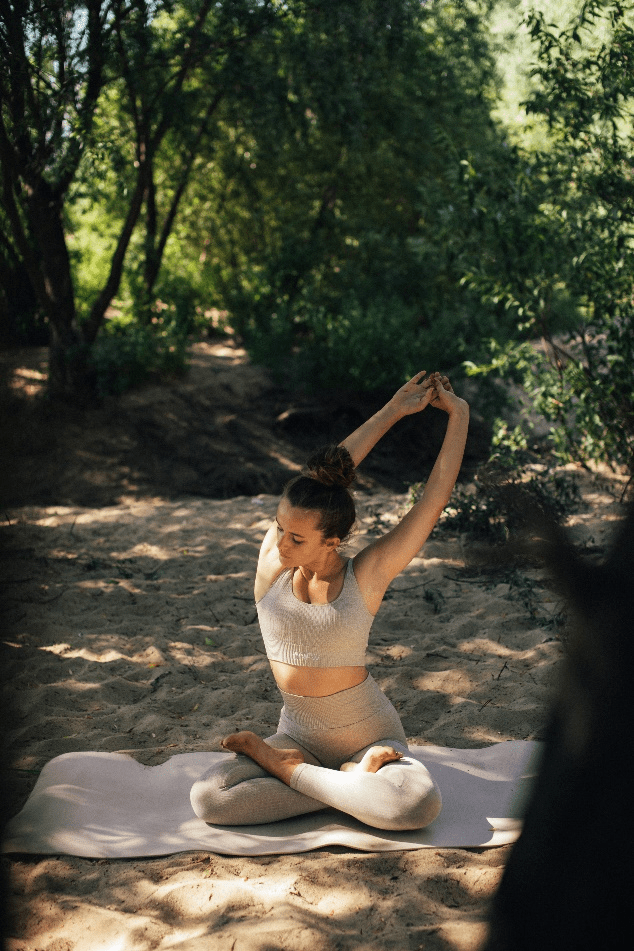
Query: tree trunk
[69,376]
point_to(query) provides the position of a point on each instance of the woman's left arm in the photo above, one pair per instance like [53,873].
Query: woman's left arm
[378,564]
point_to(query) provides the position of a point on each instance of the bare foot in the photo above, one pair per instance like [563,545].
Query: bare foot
[372,761]
[279,763]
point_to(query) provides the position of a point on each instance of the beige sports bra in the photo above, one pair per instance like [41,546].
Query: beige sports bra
[315,635]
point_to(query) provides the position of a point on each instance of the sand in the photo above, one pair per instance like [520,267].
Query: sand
[131,627]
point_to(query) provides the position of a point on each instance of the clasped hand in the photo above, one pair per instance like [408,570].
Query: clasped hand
[418,393]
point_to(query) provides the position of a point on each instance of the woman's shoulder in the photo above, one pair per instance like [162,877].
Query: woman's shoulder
[263,585]
[370,586]
[269,568]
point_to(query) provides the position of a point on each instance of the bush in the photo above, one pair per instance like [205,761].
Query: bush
[358,346]
[362,348]
[590,409]
[579,200]
[487,510]
[128,353]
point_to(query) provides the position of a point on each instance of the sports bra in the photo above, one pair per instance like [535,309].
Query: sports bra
[315,635]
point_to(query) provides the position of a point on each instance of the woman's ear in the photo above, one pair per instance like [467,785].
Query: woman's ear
[333,543]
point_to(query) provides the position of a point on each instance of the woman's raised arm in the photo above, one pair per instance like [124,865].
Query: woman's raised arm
[378,564]
[412,397]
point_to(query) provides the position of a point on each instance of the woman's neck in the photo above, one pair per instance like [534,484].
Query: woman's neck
[330,569]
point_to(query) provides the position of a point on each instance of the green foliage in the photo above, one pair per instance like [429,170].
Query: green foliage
[331,176]
[494,506]
[129,353]
[91,235]
[586,418]
[368,347]
[579,218]
[506,443]
[331,216]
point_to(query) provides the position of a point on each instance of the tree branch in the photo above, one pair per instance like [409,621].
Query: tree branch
[128,75]
[91,327]
[17,227]
[94,85]
[58,121]
[188,62]
[168,224]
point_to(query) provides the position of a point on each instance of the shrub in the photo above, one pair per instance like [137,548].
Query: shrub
[128,353]
[485,509]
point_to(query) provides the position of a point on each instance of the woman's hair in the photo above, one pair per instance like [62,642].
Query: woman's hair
[323,487]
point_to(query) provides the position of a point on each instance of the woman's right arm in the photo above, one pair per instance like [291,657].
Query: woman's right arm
[269,565]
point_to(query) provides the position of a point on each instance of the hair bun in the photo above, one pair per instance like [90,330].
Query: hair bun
[332,466]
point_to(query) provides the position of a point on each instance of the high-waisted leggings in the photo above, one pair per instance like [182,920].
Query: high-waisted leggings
[329,731]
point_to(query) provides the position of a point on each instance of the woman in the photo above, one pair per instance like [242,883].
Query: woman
[340,742]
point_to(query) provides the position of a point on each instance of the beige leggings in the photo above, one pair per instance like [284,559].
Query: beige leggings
[329,731]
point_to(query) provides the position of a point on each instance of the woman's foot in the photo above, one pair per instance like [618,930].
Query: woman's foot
[372,761]
[279,763]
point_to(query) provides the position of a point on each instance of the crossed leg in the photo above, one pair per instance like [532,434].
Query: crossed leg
[238,792]
[381,785]
[398,796]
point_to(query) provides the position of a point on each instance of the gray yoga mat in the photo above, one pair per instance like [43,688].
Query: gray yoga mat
[106,805]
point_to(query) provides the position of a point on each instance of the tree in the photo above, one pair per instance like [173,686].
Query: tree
[52,70]
[56,59]
[577,198]
[312,153]
[322,218]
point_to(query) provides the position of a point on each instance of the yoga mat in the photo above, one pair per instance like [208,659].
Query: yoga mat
[106,805]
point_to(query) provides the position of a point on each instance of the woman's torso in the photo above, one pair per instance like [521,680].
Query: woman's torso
[334,606]
[316,681]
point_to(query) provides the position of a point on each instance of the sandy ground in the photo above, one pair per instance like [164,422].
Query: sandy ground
[131,627]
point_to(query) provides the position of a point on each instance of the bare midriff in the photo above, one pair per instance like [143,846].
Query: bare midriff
[316,681]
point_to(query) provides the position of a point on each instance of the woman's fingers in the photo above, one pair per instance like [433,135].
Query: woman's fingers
[441,381]
[432,379]
[427,390]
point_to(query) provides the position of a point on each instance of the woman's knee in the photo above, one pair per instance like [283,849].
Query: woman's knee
[418,812]
[204,800]
[212,795]
[413,800]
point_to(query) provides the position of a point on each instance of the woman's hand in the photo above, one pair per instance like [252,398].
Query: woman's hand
[418,393]
[443,396]
[414,395]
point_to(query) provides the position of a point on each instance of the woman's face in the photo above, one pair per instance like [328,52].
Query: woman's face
[299,540]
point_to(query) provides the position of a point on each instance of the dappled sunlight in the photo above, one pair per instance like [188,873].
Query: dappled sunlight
[106,585]
[484,647]
[27,381]
[144,550]
[118,944]
[106,929]
[483,736]
[284,461]
[106,657]
[135,632]
[440,562]
[445,681]
[229,353]
[254,902]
